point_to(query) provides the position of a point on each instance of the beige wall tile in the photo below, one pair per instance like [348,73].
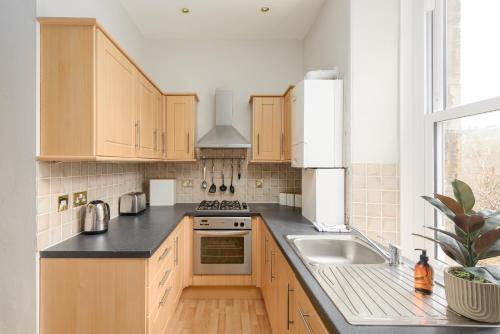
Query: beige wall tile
[375,199]
[373,170]
[374,196]
[65,178]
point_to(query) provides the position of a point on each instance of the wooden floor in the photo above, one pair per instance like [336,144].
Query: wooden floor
[220,316]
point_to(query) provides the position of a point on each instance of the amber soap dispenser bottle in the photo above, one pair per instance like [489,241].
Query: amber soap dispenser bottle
[424,274]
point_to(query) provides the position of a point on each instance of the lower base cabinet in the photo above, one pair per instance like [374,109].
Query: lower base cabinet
[288,307]
[118,295]
[134,296]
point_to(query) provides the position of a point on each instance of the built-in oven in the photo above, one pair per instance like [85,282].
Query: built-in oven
[222,246]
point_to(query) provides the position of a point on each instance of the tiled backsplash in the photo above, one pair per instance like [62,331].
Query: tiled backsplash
[275,178]
[375,201]
[105,181]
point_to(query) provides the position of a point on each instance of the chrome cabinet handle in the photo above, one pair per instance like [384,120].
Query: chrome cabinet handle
[165,277]
[139,127]
[272,273]
[265,251]
[165,253]
[155,134]
[303,316]
[163,142]
[258,144]
[136,125]
[188,143]
[164,298]
[283,144]
[288,320]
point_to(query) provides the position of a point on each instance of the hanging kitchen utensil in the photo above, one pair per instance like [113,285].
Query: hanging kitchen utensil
[204,184]
[231,187]
[239,169]
[223,186]
[213,187]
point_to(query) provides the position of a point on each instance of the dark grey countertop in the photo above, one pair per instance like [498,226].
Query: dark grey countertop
[139,237]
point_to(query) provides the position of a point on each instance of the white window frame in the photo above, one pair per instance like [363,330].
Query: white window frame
[418,121]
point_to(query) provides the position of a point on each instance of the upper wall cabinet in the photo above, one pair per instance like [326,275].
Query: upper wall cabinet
[267,134]
[179,126]
[96,104]
[115,112]
[272,122]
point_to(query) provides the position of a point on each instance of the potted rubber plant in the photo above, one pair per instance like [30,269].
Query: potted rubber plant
[471,291]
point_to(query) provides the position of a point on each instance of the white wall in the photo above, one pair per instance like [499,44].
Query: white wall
[247,67]
[327,43]
[17,166]
[374,81]
[110,14]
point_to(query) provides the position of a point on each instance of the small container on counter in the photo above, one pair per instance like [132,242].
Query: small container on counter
[424,274]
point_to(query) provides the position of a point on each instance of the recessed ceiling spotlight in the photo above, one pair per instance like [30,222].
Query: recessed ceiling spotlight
[264,9]
[185,10]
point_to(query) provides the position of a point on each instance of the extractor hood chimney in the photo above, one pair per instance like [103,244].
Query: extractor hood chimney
[223,135]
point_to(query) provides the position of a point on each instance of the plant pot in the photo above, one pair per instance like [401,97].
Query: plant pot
[474,300]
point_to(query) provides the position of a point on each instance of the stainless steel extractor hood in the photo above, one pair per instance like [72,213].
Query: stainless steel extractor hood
[223,135]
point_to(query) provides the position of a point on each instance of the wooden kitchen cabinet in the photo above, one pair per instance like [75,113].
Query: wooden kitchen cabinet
[288,307]
[306,319]
[179,127]
[272,127]
[287,124]
[96,104]
[148,119]
[114,295]
[267,133]
[115,109]
[286,296]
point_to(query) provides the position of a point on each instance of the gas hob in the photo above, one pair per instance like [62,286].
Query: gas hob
[224,206]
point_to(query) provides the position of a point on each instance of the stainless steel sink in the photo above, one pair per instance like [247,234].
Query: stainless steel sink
[367,290]
[335,249]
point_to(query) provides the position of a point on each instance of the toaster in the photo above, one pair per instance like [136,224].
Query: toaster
[132,203]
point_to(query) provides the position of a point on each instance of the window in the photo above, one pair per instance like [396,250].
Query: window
[466,32]
[465,109]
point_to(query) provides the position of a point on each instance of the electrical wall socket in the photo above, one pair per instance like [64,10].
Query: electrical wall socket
[62,203]
[187,183]
[79,198]
[259,183]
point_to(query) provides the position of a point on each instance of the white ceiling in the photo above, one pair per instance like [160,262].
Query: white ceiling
[223,19]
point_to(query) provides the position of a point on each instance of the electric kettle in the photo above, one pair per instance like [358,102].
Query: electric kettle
[96,217]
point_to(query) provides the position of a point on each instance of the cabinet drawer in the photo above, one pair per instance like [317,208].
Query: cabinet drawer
[160,258]
[162,311]
[162,279]
[306,318]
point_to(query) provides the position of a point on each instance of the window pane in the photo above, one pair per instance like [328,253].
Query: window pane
[472,51]
[471,152]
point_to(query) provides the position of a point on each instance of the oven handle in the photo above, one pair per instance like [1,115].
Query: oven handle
[222,233]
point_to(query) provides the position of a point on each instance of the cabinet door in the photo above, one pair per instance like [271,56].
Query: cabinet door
[116,107]
[147,118]
[287,126]
[270,283]
[267,128]
[286,282]
[180,112]
[306,319]
[158,111]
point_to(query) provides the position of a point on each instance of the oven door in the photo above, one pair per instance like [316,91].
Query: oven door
[220,252]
